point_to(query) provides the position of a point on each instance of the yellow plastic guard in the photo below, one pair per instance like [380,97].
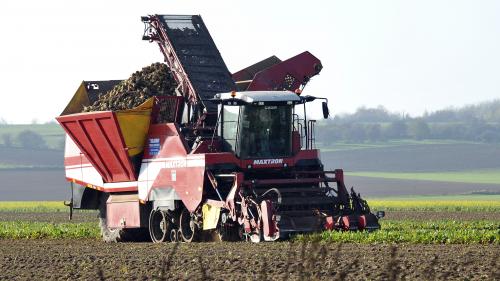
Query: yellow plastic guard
[210,216]
[134,125]
[78,101]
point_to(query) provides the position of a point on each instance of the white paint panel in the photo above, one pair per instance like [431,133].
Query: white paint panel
[120,184]
[90,175]
[70,148]
[74,174]
[195,162]
[150,169]
[142,184]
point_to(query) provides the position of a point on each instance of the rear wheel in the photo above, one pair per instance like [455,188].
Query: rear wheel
[160,226]
[109,235]
[112,235]
[188,231]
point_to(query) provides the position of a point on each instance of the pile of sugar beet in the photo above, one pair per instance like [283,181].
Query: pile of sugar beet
[153,80]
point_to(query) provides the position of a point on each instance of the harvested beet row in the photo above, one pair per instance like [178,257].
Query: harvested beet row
[153,80]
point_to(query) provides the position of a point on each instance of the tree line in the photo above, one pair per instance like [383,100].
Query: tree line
[480,123]
[25,139]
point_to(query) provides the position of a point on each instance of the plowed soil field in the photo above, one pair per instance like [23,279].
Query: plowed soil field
[95,260]
[91,259]
[90,216]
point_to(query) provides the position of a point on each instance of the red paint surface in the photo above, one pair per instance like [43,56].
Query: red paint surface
[301,68]
[188,180]
[99,138]
[171,144]
[127,211]
[329,223]
[362,222]
[101,188]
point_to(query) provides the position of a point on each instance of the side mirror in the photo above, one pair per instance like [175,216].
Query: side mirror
[326,111]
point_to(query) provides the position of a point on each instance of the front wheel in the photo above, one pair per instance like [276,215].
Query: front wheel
[160,226]
[113,235]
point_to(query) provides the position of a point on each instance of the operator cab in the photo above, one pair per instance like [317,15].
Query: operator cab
[258,124]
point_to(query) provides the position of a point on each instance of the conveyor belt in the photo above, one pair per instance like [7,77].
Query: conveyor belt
[198,55]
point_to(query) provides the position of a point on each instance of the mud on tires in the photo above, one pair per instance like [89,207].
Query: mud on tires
[113,235]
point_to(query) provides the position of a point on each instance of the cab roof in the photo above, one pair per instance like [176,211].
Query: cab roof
[260,96]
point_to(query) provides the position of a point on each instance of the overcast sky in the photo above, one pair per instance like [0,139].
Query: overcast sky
[408,56]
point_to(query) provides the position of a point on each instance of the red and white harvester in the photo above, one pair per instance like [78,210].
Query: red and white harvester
[229,156]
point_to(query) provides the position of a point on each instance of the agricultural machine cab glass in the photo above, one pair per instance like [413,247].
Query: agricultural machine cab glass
[261,124]
[257,131]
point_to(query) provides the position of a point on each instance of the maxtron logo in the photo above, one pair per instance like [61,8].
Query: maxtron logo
[267,161]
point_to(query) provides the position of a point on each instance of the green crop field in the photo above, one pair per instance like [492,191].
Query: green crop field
[432,231]
[32,206]
[42,129]
[461,203]
[344,146]
[408,231]
[466,203]
[39,230]
[52,133]
[487,176]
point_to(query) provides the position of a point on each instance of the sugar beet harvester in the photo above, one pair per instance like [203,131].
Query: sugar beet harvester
[225,159]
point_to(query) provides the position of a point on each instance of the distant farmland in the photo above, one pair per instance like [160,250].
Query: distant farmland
[472,176]
[52,133]
[394,168]
[412,158]
[409,167]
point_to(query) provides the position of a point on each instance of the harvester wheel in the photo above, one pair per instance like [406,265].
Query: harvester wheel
[227,231]
[228,234]
[111,235]
[187,228]
[159,226]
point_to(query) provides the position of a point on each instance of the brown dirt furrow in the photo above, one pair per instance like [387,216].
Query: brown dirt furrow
[89,216]
[91,260]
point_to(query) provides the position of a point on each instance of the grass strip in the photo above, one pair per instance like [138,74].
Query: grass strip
[490,176]
[460,203]
[33,206]
[466,203]
[346,146]
[39,230]
[416,232]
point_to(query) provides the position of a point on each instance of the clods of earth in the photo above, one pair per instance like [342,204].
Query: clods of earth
[91,259]
[94,260]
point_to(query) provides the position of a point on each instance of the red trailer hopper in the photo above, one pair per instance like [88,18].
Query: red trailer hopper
[111,141]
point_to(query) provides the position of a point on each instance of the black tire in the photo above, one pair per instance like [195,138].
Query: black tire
[159,226]
[227,231]
[188,231]
[111,235]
